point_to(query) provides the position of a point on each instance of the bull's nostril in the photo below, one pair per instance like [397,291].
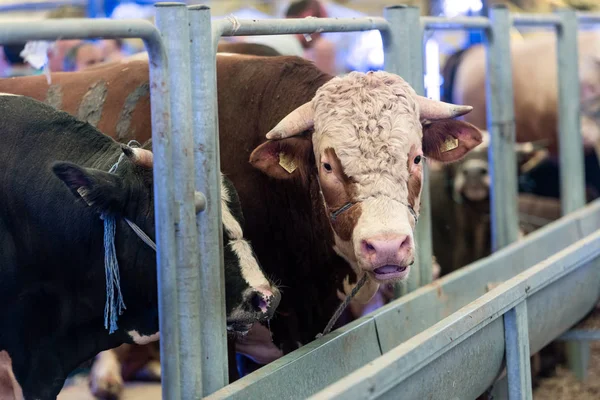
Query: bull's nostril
[259,303]
[405,242]
[368,248]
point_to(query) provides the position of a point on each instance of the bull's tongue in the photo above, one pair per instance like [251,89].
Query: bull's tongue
[389,269]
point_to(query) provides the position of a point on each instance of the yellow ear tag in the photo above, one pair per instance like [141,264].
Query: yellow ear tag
[449,144]
[287,162]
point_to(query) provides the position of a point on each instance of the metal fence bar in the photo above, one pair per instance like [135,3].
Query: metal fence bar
[532,20]
[516,337]
[501,126]
[581,335]
[187,296]
[398,59]
[588,17]
[278,26]
[72,28]
[571,162]
[170,315]
[42,5]
[210,229]
[417,62]
[458,23]
[572,173]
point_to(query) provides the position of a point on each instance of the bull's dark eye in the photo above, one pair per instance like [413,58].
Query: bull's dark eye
[327,167]
[417,159]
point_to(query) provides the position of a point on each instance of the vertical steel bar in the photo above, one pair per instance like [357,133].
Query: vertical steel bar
[394,39]
[207,168]
[516,338]
[572,172]
[164,209]
[185,315]
[423,233]
[397,46]
[406,39]
[501,126]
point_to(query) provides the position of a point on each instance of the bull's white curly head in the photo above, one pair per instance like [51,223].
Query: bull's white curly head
[369,134]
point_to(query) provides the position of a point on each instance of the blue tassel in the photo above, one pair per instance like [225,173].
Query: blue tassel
[113,306]
[113,280]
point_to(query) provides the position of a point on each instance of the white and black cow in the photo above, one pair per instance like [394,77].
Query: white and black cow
[54,185]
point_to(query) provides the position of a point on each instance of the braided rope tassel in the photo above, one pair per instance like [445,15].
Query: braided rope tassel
[113,306]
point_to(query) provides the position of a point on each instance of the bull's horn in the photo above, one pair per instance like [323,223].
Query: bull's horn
[199,201]
[434,110]
[143,158]
[294,123]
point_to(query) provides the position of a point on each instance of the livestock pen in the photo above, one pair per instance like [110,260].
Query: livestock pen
[445,339]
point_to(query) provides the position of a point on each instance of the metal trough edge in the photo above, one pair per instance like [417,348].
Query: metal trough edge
[407,316]
[377,377]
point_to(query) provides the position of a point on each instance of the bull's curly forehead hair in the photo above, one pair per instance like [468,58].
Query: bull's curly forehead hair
[371,121]
[376,103]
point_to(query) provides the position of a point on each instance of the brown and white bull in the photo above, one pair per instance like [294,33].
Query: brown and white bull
[336,184]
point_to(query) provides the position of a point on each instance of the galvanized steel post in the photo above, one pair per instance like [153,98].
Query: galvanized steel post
[182,320]
[572,173]
[207,168]
[423,233]
[570,141]
[402,46]
[501,126]
[516,339]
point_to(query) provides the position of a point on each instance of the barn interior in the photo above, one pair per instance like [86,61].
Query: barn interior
[459,199]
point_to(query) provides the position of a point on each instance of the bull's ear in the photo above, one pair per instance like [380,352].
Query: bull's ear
[449,140]
[283,159]
[102,191]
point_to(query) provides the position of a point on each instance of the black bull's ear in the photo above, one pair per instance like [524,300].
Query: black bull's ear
[102,191]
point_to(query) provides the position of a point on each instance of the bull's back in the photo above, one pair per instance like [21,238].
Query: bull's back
[114,98]
[534,72]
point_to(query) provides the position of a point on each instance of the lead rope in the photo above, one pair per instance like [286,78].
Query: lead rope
[343,306]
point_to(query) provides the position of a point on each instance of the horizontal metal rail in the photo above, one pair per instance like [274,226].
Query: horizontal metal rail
[588,18]
[407,359]
[533,20]
[583,335]
[250,27]
[458,23]
[77,28]
[41,5]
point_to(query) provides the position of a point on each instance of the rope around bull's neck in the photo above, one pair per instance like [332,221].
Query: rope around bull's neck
[343,306]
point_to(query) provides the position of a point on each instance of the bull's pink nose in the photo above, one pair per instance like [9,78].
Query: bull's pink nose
[391,249]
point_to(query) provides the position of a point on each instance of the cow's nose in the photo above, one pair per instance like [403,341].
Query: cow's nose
[390,250]
[264,301]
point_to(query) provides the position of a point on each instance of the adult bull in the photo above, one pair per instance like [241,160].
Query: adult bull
[52,291]
[336,184]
